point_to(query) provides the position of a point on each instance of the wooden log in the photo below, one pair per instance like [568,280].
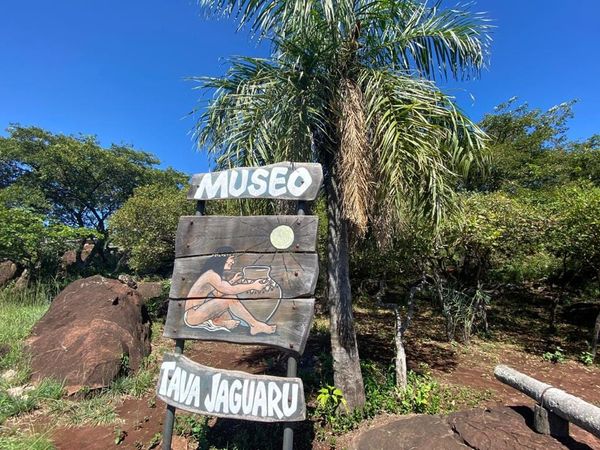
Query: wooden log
[292,318]
[205,235]
[284,181]
[557,401]
[227,393]
[281,275]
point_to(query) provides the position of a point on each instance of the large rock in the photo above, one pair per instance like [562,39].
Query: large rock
[8,270]
[500,428]
[150,289]
[70,256]
[410,433]
[93,328]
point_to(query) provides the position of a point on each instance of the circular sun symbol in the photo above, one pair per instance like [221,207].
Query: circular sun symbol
[282,237]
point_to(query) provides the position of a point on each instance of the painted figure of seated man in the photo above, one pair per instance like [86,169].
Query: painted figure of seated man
[208,308]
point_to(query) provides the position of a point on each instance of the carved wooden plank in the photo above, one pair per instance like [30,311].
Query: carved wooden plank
[227,393]
[285,181]
[245,276]
[204,235]
[292,319]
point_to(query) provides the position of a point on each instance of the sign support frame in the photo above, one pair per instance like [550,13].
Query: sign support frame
[179,347]
[285,181]
[292,362]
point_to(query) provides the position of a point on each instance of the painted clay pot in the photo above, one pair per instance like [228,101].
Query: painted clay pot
[262,310]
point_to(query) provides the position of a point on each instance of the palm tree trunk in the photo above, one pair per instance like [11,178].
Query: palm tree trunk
[346,362]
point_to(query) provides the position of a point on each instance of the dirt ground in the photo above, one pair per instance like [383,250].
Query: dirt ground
[513,341]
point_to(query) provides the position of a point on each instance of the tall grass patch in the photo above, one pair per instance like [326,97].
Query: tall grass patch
[20,309]
[19,440]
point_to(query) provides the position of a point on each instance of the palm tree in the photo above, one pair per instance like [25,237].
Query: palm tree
[348,85]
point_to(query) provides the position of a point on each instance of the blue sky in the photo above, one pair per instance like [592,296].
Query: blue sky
[118,69]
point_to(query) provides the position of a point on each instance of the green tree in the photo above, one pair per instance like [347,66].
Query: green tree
[28,240]
[145,227]
[74,180]
[346,86]
[529,149]
[575,235]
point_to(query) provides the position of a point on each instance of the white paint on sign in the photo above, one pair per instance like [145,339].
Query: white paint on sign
[227,393]
[234,183]
[282,237]
[252,397]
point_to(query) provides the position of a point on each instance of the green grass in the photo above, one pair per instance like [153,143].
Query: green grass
[25,441]
[100,409]
[19,311]
[10,406]
[456,398]
[94,411]
[136,384]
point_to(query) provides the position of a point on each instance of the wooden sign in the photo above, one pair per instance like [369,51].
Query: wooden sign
[245,276]
[226,393]
[245,280]
[287,323]
[285,181]
[204,235]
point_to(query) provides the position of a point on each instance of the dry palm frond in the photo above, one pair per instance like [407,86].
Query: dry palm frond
[355,165]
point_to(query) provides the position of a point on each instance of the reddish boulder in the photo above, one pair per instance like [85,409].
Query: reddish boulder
[93,328]
[8,270]
[150,289]
[70,257]
[500,428]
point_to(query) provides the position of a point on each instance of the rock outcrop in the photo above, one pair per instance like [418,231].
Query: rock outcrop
[95,329]
[8,271]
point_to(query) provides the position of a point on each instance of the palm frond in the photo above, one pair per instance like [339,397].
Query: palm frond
[261,112]
[282,16]
[412,36]
[354,158]
[422,142]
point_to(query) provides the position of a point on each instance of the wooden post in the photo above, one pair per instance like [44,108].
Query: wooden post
[292,363]
[179,347]
[546,422]
[170,414]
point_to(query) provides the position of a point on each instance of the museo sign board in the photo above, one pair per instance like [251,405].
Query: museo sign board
[245,280]
[284,181]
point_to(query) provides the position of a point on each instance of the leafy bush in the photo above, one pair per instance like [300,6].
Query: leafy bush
[29,240]
[423,395]
[586,358]
[534,267]
[557,356]
[195,426]
[145,226]
[462,309]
